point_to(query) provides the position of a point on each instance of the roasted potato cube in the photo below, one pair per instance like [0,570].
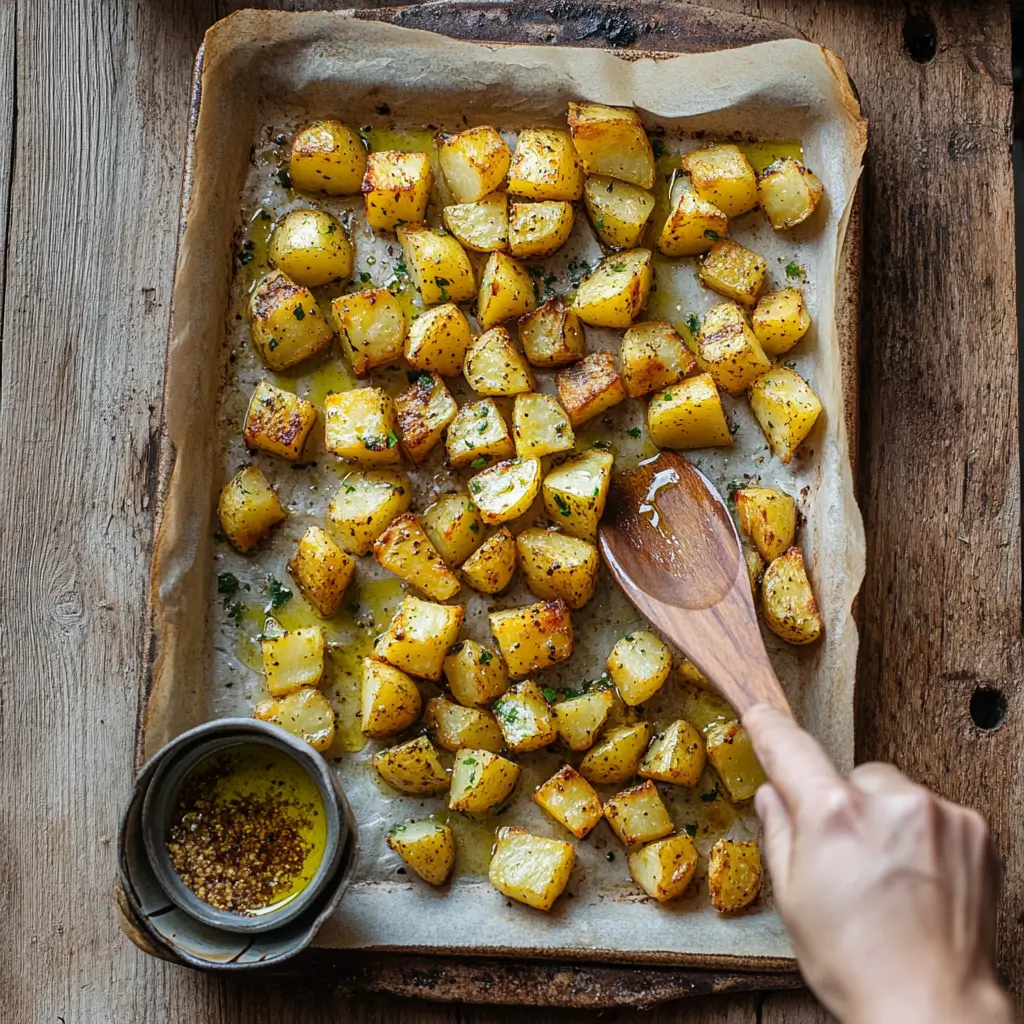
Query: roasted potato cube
[729,350]
[481,226]
[412,767]
[306,714]
[552,334]
[538,229]
[618,211]
[557,564]
[506,491]
[427,847]
[639,665]
[533,637]
[689,673]
[322,570]
[419,635]
[327,157]
[540,426]
[506,290]
[787,599]
[731,754]
[780,320]
[311,247]
[653,356]
[473,162]
[755,567]
[734,874]
[612,141]
[576,491]
[590,387]
[579,719]
[545,165]
[366,502]
[481,782]
[665,868]
[396,188]
[438,265]
[734,271]
[248,508]
[768,517]
[405,549]
[614,294]
[525,718]
[786,407]
[293,660]
[478,436]
[570,800]
[361,425]
[438,339]
[617,756]
[287,324]
[490,568]
[530,869]
[688,415]
[454,527]
[722,175]
[494,366]
[693,224]
[389,701]
[638,815]
[372,328]
[423,411]
[675,755]
[455,727]
[620,713]
[278,421]
[476,674]
[788,192]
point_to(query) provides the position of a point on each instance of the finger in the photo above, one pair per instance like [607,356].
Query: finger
[794,761]
[878,777]
[778,836]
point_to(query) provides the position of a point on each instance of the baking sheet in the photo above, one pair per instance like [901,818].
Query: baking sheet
[263,71]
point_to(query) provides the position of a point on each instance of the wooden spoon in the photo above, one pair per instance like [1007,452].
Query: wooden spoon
[669,540]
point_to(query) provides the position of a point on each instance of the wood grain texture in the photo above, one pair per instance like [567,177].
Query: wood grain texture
[669,541]
[102,92]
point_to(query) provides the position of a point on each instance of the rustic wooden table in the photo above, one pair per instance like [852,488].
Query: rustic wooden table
[92,121]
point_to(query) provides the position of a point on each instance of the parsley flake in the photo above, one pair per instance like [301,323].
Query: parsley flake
[227,583]
[633,432]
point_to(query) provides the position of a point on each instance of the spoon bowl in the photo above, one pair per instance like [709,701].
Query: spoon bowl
[668,539]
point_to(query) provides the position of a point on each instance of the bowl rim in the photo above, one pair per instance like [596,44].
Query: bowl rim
[172,765]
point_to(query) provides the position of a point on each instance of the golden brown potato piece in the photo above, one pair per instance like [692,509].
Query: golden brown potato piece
[570,800]
[311,247]
[653,356]
[427,847]
[788,192]
[780,320]
[612,141]
[530,869]
[722,175]
[729,350]
[552,334]
[790,610]
[327,157]
[545,166]
[396,188]
[768,517]
[278,421]
[786,407]
[322,570]
[590,387]
[734,271]
[533,637]
[423,411]
[249,508]
[473,162]
[665,868]
[287,325]
[491,567]
[688,415]
[734,875]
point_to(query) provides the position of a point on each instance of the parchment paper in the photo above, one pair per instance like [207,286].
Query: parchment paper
[264,72]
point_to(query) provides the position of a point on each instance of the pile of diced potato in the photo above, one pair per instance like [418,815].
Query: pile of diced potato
[511,449]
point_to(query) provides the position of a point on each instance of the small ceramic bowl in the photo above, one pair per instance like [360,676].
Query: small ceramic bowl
[159,804]
[169,914]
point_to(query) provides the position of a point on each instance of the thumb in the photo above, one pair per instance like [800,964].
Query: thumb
[778,836]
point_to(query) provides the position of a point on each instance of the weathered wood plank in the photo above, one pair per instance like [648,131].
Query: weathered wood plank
[8,119]
[793,1008]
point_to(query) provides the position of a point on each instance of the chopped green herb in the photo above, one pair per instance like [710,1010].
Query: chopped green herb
[597,491]
[299,313]
[349,489]
[713,235]
[568,693]
[284,177]
[634,432]
[563,505]
[657,148]
[599,223]
[237,612]
[690,828]
[277,593]
[618,266]
[474,527]
[475,487]
[392,439]
[395,829]
[364,276]
[577,270]
[227,583]
[486,657]
[470,761]
[693,323]
[401,268]
[549,695]
[479,463]
[793,269]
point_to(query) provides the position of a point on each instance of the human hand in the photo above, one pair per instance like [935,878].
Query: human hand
[888,892]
